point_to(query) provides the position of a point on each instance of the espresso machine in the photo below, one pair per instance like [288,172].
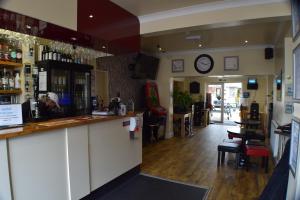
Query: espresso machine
[114,105]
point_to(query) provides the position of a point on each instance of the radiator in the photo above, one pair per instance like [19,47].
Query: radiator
[274,140]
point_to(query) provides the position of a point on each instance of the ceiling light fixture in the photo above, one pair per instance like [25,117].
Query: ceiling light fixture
[28,26]
[200,45]
[91,16]
[73,38]
[103,47]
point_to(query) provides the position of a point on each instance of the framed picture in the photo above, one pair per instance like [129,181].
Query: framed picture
[231,63]
[178,65]
[296,68]
[295,18]
[294,146]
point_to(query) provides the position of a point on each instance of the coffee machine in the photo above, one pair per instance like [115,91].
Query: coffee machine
[114,105]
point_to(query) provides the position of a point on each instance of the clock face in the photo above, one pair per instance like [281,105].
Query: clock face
[204,63]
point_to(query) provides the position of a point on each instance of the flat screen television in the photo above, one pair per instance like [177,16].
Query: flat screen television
[278,84]
[145,67]
[252,84]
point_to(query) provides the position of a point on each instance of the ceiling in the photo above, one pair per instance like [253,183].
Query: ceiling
[144,7]
[262,33]
[266,31]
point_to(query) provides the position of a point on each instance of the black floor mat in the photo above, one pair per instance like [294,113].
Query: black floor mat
[150,188]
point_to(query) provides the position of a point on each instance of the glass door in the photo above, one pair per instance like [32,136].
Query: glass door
[232,95]
[217,96]
[60,85]
[82,92]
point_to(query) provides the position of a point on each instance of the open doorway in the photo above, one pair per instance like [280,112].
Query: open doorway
[232,94]
[225,101]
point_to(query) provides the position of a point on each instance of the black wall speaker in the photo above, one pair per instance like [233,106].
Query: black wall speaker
[269,53]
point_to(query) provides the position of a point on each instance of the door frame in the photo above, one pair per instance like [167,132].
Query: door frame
[222,96]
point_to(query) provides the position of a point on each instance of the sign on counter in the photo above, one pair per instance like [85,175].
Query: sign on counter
[11,115]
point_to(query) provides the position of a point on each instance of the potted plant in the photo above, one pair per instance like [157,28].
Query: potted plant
[181,101]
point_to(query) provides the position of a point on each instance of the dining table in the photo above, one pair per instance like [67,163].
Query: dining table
[245,133]
[249,123]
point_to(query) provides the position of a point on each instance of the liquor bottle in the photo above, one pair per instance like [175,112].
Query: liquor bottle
[6,51]
[27,86]
[54,54]
[63,57]
[43,52]
[4,80]
[46,53]
[50,54]
[11,81]
[19,53]
[1,50]
[13,52]
[58,55]
[1,75]
[17,81]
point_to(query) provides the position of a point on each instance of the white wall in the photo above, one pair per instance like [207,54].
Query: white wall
[59,12]
[283,62]
[294,183]
[251,62]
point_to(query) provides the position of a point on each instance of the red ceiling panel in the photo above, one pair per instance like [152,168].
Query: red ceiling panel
[119,28]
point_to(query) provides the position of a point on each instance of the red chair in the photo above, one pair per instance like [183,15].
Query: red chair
[257,151]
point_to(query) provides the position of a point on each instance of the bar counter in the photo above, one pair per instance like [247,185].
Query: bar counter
[38,127]
[67,159]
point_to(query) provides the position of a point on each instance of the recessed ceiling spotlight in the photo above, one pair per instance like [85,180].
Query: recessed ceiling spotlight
[91,16]
[28,26]
[200,45]
[73,38]
[103,47]
[246,41]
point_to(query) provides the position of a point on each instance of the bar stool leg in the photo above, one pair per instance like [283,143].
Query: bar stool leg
[247,161]
[267,164]
[263,162]
[237,159]
[219,158]
[223,156]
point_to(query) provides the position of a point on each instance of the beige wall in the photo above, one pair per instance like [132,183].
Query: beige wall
[260,95]
[59,12]
[252,62]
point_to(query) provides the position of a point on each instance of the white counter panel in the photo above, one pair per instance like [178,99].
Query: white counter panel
[5,189]
[38,166]
[112,152]
[78,161]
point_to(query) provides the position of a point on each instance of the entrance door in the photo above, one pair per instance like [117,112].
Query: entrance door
[232,94]
[217,96]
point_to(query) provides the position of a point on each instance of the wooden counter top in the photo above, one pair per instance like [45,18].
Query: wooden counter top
[53,124]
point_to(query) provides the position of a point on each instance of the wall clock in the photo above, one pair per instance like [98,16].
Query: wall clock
[204,63]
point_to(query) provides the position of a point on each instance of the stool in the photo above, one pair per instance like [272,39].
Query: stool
[255,142]
[230,148]
[256,136]
[234,140]
[154,137]
[234,135]
[258,151]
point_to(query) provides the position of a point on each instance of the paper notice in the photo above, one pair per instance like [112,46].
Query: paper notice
[42,81]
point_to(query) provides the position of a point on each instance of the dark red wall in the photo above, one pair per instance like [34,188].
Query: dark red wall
[119,28]
[111,26]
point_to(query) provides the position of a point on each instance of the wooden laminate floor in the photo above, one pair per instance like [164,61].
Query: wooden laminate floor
[194,160]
